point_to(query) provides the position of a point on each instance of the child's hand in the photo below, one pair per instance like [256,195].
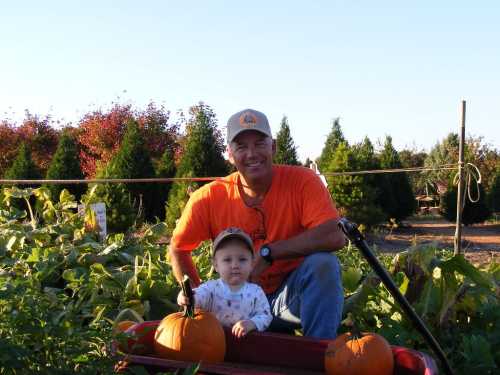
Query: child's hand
[182,300]
[242,328]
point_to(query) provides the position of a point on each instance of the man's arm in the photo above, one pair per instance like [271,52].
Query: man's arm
[324,237]
[182,264]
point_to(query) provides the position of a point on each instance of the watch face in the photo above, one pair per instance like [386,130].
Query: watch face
[265,251]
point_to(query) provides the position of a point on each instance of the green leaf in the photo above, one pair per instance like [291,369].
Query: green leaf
[477,351]
[34,256]
[459,264]
[10,243]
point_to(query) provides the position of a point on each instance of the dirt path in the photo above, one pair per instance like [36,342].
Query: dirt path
[480,243]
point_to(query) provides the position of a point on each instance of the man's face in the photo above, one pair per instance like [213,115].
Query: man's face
[251,152]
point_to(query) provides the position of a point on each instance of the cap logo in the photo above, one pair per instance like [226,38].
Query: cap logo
[248,120]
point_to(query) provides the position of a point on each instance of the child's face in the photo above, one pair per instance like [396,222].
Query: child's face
[233,262]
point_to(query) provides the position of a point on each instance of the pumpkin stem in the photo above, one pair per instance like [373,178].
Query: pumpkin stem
[350,322]
[188,292]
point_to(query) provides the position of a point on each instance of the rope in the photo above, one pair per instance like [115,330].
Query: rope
[108,180]
[471,172]
[397,170]
[205,179]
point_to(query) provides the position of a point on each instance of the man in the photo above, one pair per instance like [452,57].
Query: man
[291,218]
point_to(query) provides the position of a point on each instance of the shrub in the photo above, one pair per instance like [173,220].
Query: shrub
[124,202]
[396,198]
[334,139]
[493,197]
[65,165]
[473,212]
[166,169]
[355,198]
[202,157]
[286,151]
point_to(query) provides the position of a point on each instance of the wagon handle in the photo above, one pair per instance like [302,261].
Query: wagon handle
[188,292]
[352,232]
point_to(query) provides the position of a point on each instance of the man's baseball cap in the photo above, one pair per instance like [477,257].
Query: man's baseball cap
[248,119]
[232,232]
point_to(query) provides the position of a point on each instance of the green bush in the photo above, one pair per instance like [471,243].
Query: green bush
[355,198]
[396,197]
[22,168]
[65,165]
[286,151]
[127,204]
[493,197]
[334,139]
[473,212]
[165,169]
[202,157]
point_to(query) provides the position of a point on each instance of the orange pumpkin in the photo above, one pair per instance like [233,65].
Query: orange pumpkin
[123,325]
[192,335]
[359,354]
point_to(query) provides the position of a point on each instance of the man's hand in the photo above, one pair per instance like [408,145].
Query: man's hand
[241,328]
[259,266]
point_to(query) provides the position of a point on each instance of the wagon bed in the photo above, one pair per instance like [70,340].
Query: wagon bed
[265,353]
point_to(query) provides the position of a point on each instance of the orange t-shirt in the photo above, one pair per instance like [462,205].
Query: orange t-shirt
[296,201]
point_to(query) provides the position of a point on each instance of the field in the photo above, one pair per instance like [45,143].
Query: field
[480,242]
[63,290]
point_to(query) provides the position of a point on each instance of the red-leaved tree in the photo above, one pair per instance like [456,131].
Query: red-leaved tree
[37,133]
[40,135]
[100,135]
[9,141]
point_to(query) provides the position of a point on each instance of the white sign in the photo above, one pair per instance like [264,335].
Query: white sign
[100,216]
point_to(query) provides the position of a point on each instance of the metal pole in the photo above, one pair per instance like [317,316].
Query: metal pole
[460,190]
[352,232]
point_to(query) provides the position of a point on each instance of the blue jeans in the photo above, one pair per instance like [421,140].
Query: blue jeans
[311,297]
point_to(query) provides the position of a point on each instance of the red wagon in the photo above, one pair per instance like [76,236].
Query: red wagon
[267,353]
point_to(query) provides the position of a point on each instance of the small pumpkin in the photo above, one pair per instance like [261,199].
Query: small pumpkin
[359,354]
[192,335]
[140,338]
[123,325]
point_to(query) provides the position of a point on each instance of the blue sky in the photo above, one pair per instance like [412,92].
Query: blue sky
[383,67]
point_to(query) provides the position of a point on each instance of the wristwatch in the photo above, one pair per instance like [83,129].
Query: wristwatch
[265,253]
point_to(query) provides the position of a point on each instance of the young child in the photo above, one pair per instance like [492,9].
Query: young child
[235,302]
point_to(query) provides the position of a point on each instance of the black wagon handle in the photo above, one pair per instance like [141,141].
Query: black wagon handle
[188,292]
[352,233]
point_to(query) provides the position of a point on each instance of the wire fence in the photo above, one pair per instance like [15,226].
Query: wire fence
[207,179]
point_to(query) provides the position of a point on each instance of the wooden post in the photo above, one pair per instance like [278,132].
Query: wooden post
[460,190]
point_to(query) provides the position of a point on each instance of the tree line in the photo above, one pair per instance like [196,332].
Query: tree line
[127,143]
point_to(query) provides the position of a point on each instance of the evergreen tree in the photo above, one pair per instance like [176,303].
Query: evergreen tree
[396,198]
[441,154]
[365,155]
[202,157]
[473,212]
[166,169]
[125,202]
[332,142]
[355,198]
[494,193]
[286,152]
[65,165]
[23,168]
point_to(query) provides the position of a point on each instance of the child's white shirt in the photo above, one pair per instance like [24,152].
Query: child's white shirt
[248,303]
